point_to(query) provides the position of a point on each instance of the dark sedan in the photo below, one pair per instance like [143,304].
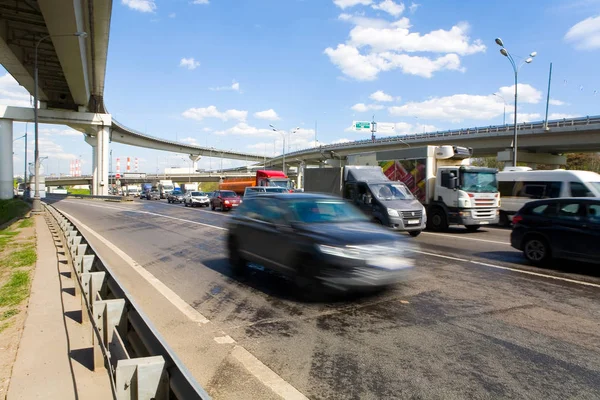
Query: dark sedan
[318,240]
[153,195]
[175,196]
[558,228]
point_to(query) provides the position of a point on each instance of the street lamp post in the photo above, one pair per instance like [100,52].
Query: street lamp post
[283,136]
[516,68]
[37,205]
[504,101]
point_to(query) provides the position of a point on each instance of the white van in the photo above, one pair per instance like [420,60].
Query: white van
[519,185]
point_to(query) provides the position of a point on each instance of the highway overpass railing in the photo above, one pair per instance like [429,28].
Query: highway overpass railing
[141,364]
[459,132]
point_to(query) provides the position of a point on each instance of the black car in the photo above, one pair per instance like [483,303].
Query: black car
[558,228]
[318,240]
[175,196]
[153,195]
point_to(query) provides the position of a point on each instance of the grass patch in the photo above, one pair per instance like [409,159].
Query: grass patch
[78,191]
[5,238]
[12,208]
[26,223]
[15,290]
[20,258]
[8,314]
[4,326]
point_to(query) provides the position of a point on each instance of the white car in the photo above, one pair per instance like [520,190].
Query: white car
[192,199]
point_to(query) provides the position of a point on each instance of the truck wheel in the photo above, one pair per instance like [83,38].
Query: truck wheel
[414,233]
[472,228]
[437,221]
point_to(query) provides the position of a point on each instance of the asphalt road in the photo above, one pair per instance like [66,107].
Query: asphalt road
[472,320]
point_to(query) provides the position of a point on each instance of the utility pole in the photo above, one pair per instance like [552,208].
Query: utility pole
[373,128]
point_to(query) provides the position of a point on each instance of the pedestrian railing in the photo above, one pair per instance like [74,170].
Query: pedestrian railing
[141,364]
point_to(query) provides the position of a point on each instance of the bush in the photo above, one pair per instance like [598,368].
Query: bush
[12,208]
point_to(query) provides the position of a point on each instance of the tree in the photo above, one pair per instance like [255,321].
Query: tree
[584,161]
[489,162]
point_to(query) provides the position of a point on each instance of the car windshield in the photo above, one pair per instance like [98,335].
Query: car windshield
[228,194]
[325,210]
[198,194]
[276,189]
[282,184]
[479,182]
[391,191]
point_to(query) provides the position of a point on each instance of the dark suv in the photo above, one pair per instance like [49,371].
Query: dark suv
[558,228]
[318,240]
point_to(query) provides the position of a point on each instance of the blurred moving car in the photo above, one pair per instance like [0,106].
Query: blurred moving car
[225,200]
[192,199]
[558,228]
[176,196]
[254,190]
[153,195]
[318,240]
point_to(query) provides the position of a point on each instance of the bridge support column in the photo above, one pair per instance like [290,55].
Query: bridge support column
[532,159]
[100,152]
[6,159]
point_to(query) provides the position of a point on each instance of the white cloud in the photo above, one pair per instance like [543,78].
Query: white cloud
[60,132]
[585,35]
[389,7]
[211,112]
[269,115]
[398,128]
[455,40]
[524,117]
[243,128]
[377,45]
[140,5]
[367,67]
[526,93]
[413,7]
[552,116]
[51,149]
[189,63]
[201,2]
[190,140]
[381,96]
[361,107]
[555,102]
[343,4]
[235,86]
[172,15]
[12,94]
[207,129]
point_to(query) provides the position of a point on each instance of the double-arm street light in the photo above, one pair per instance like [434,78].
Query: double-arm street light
[283,136]
[504,101]
[37,205]
[516,68]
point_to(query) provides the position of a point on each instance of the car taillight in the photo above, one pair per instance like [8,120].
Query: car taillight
[516,219]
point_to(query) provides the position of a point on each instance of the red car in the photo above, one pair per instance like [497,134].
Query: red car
[225,200]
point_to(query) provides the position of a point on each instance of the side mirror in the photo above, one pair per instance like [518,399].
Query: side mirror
[453,184]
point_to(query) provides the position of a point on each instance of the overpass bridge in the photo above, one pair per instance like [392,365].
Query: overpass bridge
[536,142]
[71,75]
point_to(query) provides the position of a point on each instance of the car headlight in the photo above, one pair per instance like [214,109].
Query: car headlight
[339,251]
[392,212]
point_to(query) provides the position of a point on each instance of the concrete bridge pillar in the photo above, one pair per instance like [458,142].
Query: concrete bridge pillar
[100,153]
[6,159]
[194,159]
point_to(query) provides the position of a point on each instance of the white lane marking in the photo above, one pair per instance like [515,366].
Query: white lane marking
[265,375]
[470,261]
[256,367]
[220,213]
[224,339]
[465,238]
[510,269]
[155,214]
[170,295]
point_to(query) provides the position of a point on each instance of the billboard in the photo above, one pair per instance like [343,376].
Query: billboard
[411,172]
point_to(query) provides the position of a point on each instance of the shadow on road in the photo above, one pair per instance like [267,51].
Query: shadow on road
[279,286]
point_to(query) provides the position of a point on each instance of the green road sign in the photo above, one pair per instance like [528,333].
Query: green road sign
[362,125]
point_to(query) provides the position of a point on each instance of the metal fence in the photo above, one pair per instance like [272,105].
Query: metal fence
[141,364]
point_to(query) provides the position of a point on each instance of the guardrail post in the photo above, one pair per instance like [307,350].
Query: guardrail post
[141,379]
[108,315]
[91,283]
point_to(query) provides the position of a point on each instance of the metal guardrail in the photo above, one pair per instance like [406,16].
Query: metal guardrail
[141,364]
[457,132]
[89,196]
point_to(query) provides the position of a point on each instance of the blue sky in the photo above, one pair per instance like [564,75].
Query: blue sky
[218,72]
